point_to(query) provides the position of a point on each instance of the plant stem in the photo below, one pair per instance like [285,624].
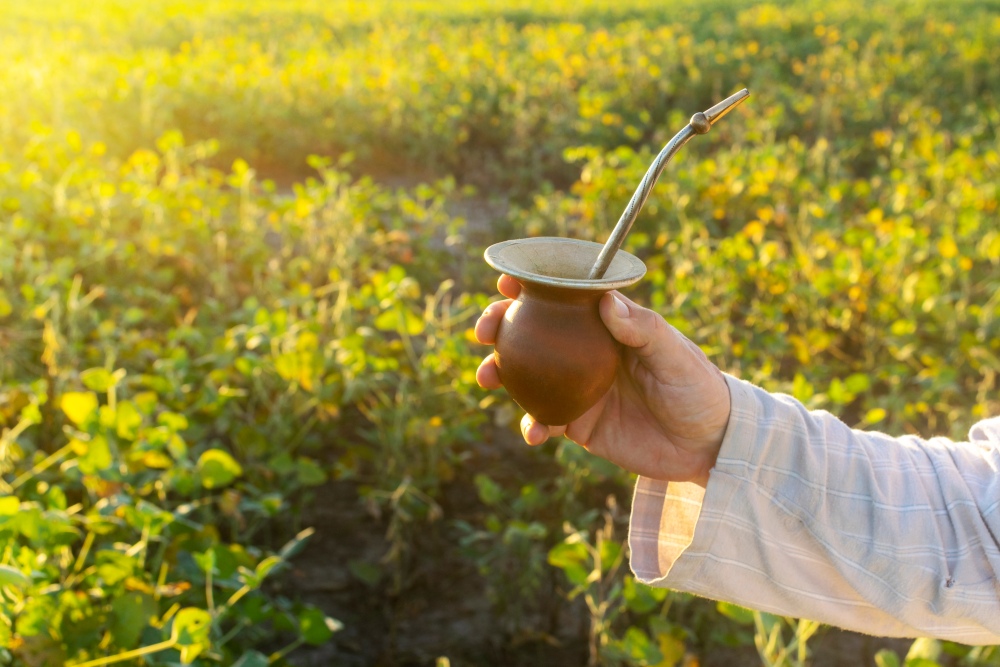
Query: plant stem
[128,655]
[232,633]
[209,597]
[237,595]
[41,466]
[274,657]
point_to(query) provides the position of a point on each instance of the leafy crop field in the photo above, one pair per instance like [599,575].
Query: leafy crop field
[240,260]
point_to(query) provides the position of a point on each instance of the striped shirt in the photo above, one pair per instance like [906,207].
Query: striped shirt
[805,517]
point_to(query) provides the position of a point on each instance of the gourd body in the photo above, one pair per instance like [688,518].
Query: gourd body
[555,356]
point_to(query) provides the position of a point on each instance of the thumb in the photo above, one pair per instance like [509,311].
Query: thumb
[657,343]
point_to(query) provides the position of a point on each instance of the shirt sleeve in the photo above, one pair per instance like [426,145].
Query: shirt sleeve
[805,517]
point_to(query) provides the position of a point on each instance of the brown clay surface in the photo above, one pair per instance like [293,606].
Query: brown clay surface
[555,356]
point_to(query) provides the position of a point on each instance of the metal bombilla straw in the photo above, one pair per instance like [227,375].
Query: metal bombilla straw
[700,123]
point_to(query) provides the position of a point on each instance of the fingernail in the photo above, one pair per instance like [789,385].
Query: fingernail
[621,310]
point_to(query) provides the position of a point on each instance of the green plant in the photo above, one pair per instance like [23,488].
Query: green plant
[592,566]
[226,236]
[95,565]
[509,550]
[927,652]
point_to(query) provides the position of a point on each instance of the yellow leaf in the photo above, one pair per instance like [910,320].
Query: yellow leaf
[217,468]
[875,415]
[672,649]
[754,230]
[78,405]
[156,459]
[947,247]
[136,584]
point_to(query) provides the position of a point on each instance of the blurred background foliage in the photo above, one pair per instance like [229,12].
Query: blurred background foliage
[240,263]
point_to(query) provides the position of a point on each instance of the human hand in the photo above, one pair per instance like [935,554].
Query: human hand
[667,411]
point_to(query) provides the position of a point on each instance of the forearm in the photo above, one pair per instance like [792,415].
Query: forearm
[805,517]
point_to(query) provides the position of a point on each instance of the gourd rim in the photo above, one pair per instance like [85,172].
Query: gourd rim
[521,259]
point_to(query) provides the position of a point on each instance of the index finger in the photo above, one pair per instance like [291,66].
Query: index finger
[509,287]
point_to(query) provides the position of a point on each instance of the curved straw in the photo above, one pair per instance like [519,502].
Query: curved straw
[700,123]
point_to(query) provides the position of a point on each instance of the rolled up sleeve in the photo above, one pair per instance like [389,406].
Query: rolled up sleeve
[803,516]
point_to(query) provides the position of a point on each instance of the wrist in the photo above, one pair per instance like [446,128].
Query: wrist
[713,442]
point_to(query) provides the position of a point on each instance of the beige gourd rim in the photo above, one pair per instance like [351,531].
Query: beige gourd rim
[626,269]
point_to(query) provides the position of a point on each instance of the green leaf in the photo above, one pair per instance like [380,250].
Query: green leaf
[252,659]
[609,550]
[146,401]
[400,320]
[922,662]
[31,414]
[130,614]
[172,420]
[490,492]
[641,598]
[886,658]
[101,379]
[108,418]
[205,561]
[903,327]
[265,566]
[43,529]
[309,472]
[113,566]
[574,560]
[217,468]
[316,627]
[11,576]
[923,648]
[741,615]
[297,543]
[6,632]
[128,420]
[568,553]
[282,464]
[365,571]
[638,646]
[801,389]
[669,638]
[857,383]
[838,392]
[388,320]
[97,456]
[190,632]
[177,447]
[55,498]
[227,559]
[78,405]
[37,617]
